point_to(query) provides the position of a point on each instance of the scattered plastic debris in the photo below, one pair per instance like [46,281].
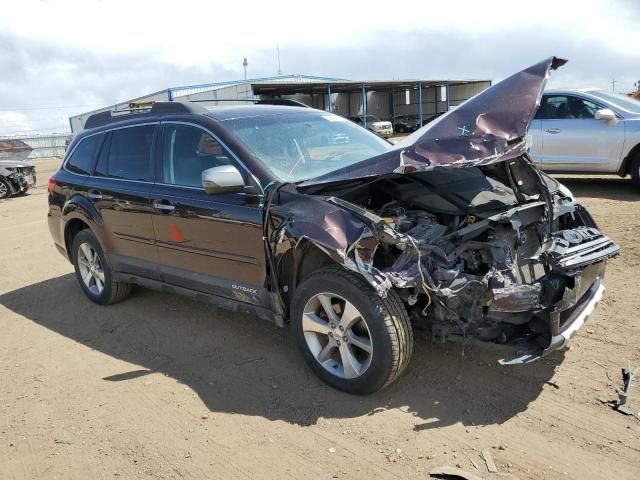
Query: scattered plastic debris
[452,472]
[488,459]
[628,375]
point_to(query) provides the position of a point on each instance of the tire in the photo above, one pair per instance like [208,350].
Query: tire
[383,322]
[635,171]
[86,252]
[5,189]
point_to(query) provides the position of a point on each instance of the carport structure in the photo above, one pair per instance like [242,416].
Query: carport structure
[349,98]
[419,97]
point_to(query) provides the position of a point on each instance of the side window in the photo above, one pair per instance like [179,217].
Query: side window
[187,151]
[541,114]
[554,107]
[565,107]
[581,108]
[129,154]
[84,155]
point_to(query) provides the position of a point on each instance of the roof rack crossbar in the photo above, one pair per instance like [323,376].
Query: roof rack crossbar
[134,110]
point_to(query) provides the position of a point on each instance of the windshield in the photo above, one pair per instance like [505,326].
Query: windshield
[299,146]
[622,101]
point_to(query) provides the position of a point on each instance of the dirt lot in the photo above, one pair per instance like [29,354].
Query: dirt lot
[161,387]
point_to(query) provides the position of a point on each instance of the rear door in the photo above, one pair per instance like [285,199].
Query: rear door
[207,243]
[121,191]
[573,140]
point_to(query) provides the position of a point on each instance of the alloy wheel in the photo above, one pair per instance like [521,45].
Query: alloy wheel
[337,335]
[4,190]
[90,268]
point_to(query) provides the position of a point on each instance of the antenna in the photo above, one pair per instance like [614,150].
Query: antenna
[279,69]
[613,85]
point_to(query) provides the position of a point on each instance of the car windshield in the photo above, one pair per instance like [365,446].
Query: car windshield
[622,101]
[299,146]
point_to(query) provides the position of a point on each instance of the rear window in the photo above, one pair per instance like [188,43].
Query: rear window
[83,157]
[130,153]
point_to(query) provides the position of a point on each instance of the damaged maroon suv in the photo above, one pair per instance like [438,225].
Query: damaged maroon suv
[301,217]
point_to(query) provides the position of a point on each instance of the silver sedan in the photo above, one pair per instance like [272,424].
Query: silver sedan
[587,131]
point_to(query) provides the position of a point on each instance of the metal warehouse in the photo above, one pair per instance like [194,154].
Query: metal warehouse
[384,99]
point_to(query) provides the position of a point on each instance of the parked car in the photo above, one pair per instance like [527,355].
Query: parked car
[410,123]
[16,177]
[406,123]
[382,128]
[453,229]
[587,131]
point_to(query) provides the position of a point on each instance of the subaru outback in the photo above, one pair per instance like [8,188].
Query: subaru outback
[352,244]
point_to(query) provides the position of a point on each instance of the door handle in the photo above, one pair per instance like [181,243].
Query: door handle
[163,205]
[94,194]
[552,130]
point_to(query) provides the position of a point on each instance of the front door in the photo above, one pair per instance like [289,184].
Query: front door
[573,140]
[207,243]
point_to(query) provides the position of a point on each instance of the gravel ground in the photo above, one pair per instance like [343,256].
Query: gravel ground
[161,387]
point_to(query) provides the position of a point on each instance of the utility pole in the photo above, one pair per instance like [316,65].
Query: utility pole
[245,64]
[279,69]
[613,85]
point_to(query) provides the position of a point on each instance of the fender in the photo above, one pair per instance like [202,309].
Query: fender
[79,207]
[301,221]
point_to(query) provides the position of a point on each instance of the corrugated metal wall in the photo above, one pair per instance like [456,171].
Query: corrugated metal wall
[43,146]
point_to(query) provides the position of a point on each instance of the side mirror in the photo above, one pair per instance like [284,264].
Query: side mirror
[222,179]
[605,114]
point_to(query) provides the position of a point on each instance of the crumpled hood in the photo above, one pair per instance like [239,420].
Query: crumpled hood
[14,164]
[488,128]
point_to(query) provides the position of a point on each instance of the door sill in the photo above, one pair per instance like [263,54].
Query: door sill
[222,302]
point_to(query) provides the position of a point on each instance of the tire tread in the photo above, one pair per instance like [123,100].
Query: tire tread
[395,317]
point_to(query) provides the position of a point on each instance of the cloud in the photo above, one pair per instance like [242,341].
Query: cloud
[93,53]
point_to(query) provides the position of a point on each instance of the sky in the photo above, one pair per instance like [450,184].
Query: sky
[59,58]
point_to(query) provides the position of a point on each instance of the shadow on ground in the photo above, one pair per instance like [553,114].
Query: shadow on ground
[608,188]
[238,364]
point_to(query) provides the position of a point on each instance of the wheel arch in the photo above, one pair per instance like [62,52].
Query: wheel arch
[79,214]
[625,168]
[71,229]
[297,264]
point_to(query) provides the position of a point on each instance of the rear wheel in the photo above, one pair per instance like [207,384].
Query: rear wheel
[350,337]
[635,170]
[94,273]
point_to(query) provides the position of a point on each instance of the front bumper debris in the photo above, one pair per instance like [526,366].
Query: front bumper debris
[576,318]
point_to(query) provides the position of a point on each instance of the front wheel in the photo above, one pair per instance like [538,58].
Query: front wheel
[350,337]
[5,189]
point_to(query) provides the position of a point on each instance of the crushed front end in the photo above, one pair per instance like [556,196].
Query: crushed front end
[20,177]
[494,254]
[477,241]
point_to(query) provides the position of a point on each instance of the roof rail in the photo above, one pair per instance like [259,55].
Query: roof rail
[136,110]
[257,101]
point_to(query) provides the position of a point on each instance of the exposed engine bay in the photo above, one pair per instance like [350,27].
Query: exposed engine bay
[495,253]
